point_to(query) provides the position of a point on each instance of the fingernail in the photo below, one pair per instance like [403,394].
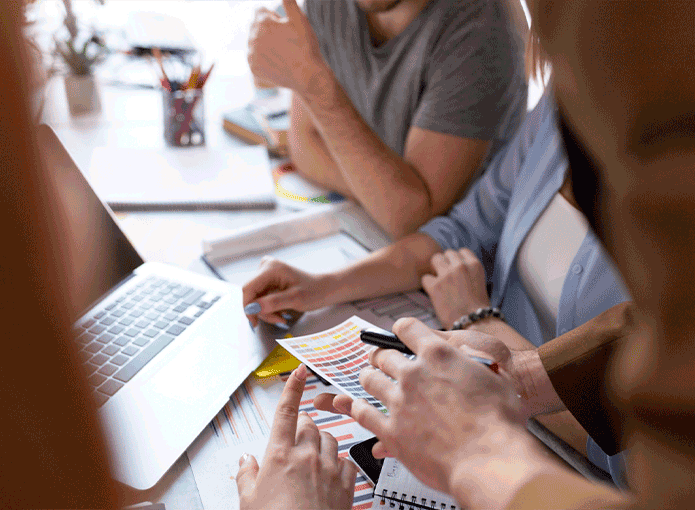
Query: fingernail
[243,458]
[287,316]
[281,325]
[300,371]
[252,309]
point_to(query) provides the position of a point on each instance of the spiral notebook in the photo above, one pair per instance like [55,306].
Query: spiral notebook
[400,489]
[131,179]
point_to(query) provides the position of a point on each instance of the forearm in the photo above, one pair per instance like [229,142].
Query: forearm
[395,268]
[380,179]
[310,155]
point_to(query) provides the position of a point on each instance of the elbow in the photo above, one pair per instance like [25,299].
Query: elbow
[409,214]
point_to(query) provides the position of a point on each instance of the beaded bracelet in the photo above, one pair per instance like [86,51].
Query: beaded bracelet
[479,314]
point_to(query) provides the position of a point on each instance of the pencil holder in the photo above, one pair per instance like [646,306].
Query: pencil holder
[184,117]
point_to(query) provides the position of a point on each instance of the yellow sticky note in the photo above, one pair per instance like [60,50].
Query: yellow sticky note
[277,362]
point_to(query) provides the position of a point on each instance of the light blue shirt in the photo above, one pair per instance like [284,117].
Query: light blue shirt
[499,212]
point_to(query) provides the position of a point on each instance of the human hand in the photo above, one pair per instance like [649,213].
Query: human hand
[473,443]
[457,286]
[285,51]
[301,468]
[280,289]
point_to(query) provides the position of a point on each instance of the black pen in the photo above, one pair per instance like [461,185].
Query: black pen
[387,340]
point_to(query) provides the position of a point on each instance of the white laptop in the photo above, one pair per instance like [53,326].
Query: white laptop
[163,348]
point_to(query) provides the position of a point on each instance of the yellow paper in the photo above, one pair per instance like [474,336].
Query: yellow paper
[277,362]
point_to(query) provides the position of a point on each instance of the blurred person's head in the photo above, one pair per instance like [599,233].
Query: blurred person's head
[624,80]
[52,452]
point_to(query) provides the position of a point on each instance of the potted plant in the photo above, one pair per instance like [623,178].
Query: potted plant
[80,51]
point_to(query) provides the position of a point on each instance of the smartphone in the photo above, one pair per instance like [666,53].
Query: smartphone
[361,454]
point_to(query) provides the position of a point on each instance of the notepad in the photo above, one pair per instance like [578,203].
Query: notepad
[401,489]
[183,179]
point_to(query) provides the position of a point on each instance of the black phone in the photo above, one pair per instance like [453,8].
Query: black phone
[361,454]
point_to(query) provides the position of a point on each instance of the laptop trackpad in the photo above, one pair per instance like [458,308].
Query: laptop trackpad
[189,376]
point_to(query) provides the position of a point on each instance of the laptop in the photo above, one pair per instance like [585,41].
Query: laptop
[163,348]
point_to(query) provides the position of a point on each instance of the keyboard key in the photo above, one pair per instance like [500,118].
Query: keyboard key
[118,313]
[141,341]
[116,330]
[182,291]
[110,388]
[109,351]
[107,321]
[204,305]
[186,320]
[161,308]
[132,332]
[121,341]
[194,297]
[85,338]
[99,315]
[100,399]
[108,369]
[84,356]
[128,305]
[88,323]
[171,316]
[199,313]
[142,324]
[94,347]
[97,330]
[126,373]
[151,315]
[137,299]
[181,308]
[90,369]
[105,338]
[96,379]
[175,330]
[99,359]
[111,306]
[136,313]
[151,333]
[161,324]
[170,299]
[215,299]
[126,321]
[119,360]
[130,350]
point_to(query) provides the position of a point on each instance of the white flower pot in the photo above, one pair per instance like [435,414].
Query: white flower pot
[83,94]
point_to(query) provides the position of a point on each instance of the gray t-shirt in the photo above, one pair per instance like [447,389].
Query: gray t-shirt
[456,69]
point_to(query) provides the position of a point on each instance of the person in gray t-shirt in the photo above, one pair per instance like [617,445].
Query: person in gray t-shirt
[397,103]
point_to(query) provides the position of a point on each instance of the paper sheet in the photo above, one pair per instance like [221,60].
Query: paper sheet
[337,355]
[243,426]
[318,256]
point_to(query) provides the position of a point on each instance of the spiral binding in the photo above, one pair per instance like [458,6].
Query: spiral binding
[412,504]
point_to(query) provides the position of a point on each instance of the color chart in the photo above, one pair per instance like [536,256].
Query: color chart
[338,355]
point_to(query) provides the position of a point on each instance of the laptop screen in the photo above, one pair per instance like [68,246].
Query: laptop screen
[103,256]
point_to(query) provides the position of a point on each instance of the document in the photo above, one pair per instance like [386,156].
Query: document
[243,426]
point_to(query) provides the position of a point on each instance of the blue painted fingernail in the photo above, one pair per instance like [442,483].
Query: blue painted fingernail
[252,309]
[287,316]
[282,325]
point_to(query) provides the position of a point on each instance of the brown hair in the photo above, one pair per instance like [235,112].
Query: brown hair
[52,451]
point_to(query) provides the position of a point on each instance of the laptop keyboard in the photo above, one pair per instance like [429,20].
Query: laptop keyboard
[121,338]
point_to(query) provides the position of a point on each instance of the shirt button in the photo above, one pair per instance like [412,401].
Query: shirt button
[577,269]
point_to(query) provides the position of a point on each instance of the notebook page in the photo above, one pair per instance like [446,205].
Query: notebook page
[398,484]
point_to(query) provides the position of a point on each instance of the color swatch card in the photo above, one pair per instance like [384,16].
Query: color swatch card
[338,355]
